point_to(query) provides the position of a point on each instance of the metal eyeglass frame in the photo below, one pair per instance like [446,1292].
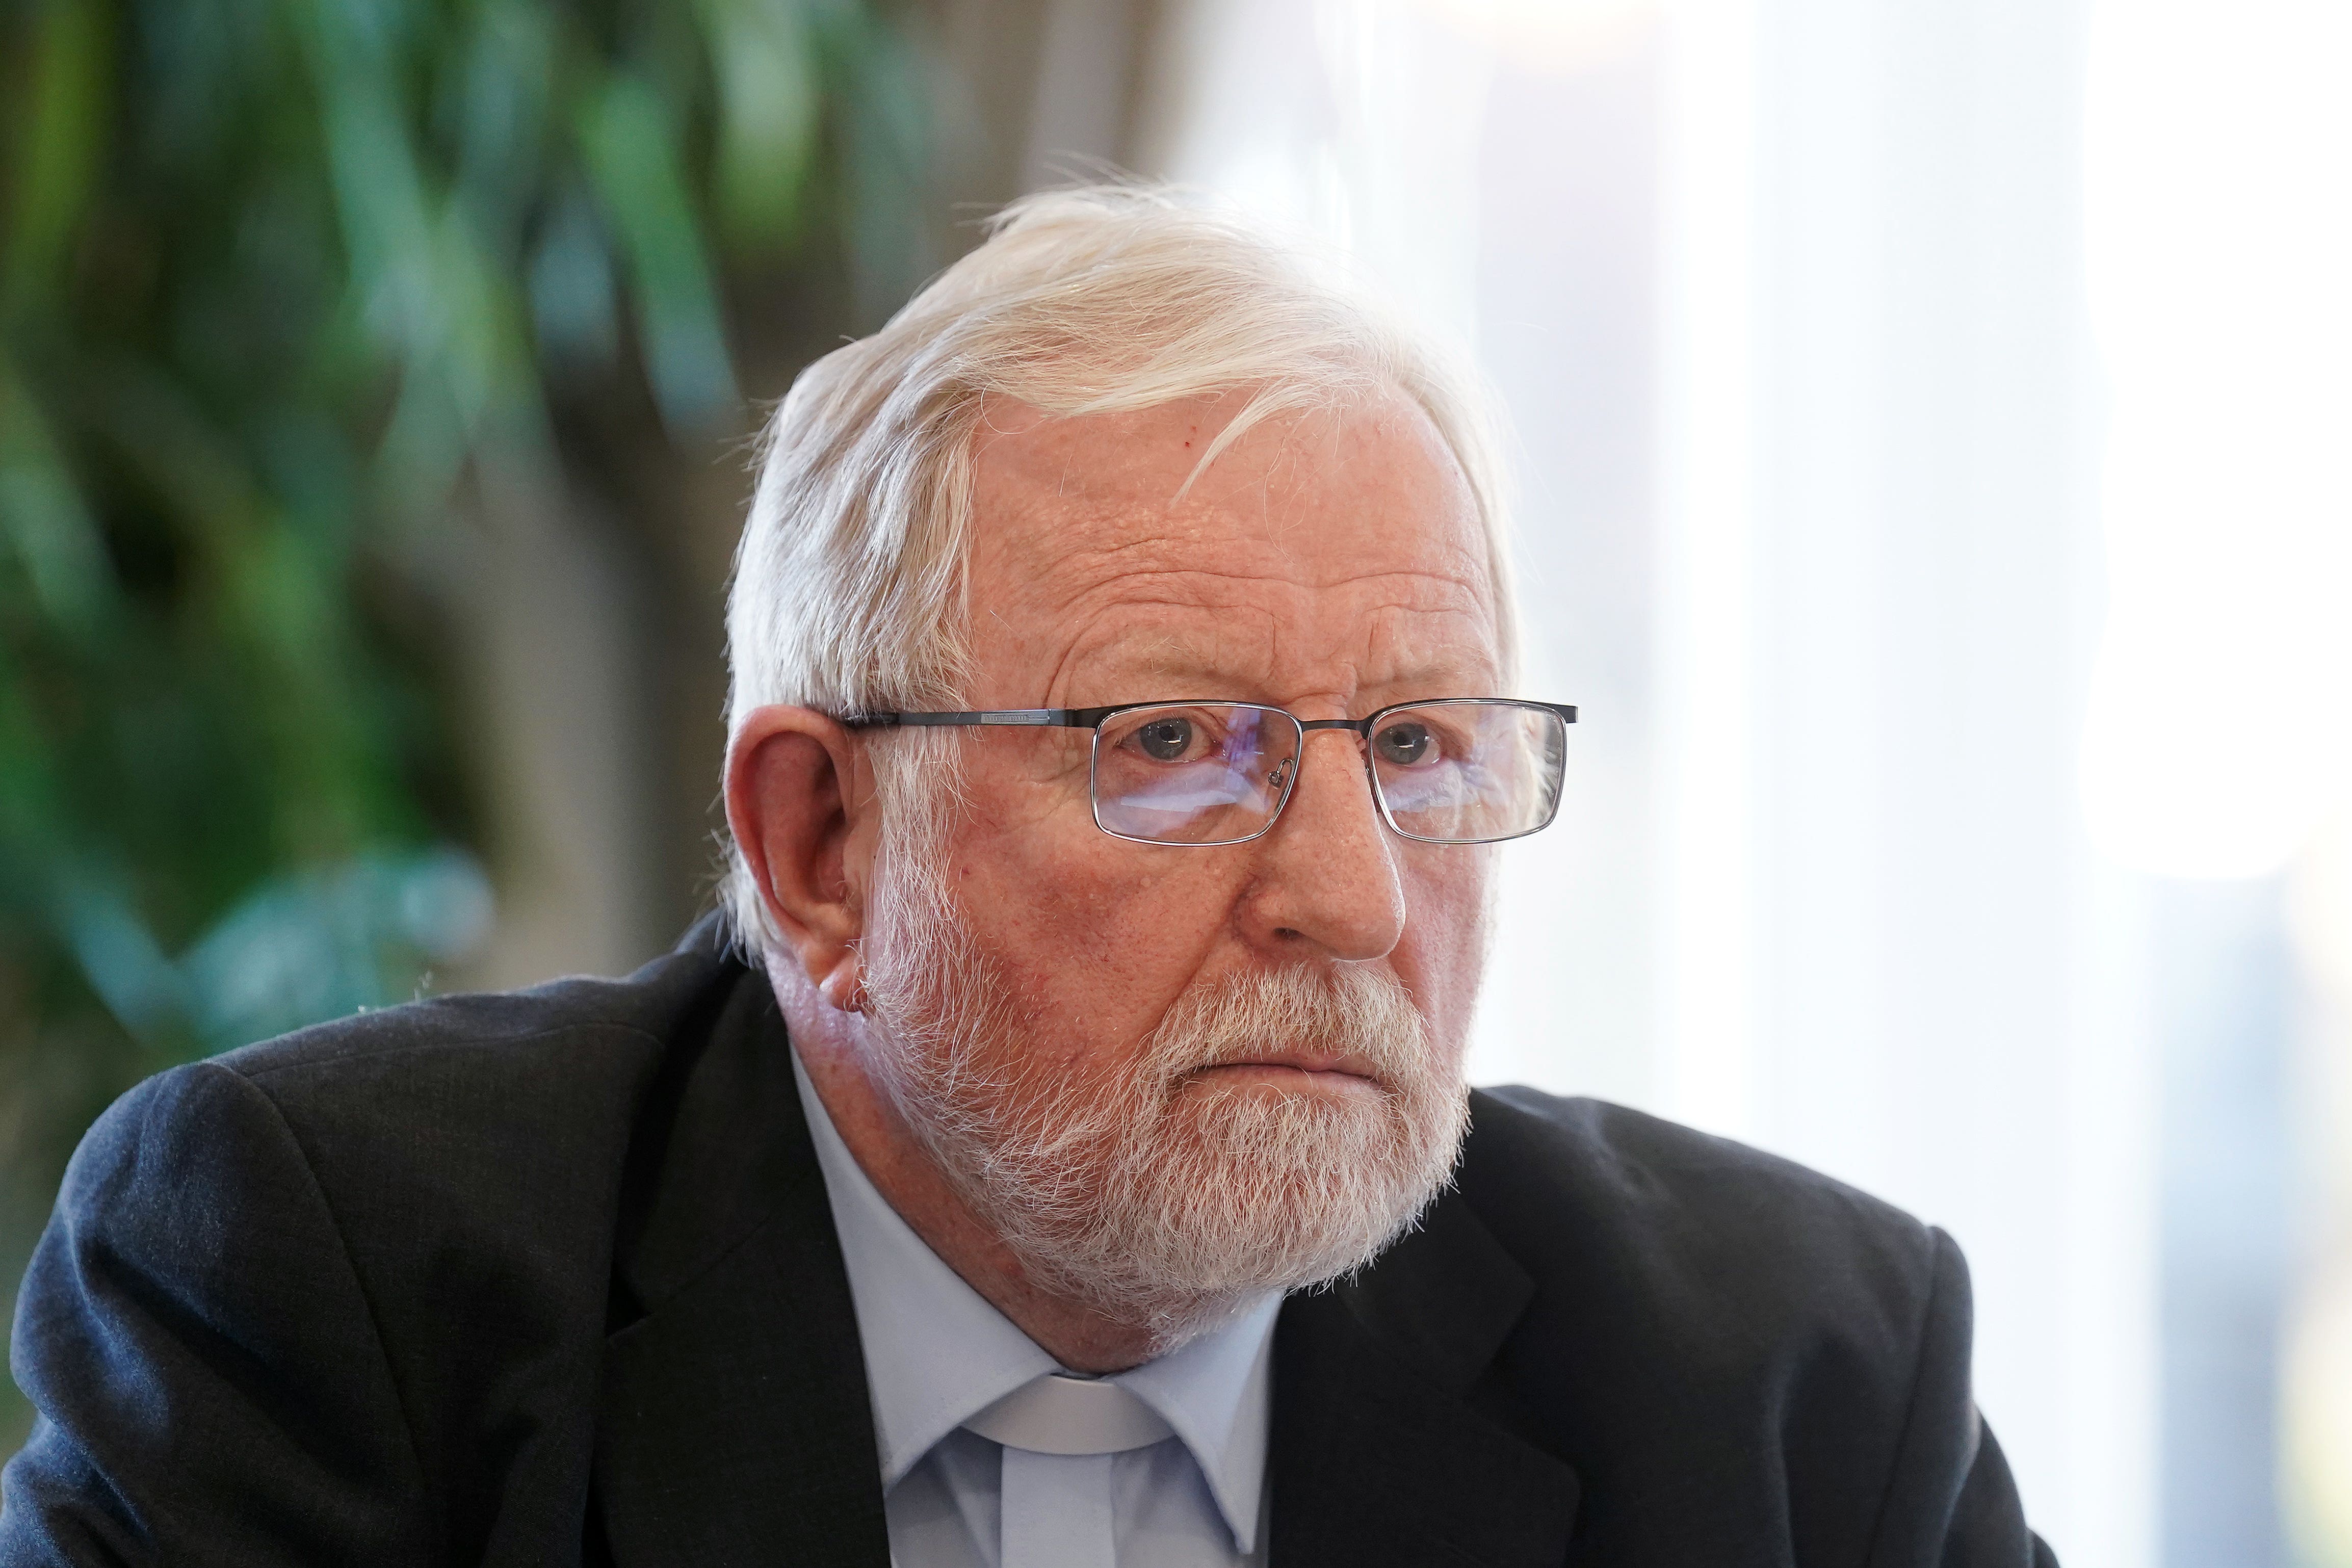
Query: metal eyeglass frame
[1092,718]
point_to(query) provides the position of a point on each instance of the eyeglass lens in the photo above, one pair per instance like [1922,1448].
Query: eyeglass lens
[1204,773]
[1465,771]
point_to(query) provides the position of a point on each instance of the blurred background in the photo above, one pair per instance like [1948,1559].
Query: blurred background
[1934,430]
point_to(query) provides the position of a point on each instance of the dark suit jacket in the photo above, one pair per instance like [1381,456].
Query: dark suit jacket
[550,1277]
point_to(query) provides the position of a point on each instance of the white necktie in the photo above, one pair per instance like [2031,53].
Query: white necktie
[1059,1434]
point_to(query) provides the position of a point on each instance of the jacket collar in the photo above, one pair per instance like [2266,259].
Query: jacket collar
[736,1425]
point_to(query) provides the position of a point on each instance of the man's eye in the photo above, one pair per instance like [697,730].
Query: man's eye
[1404,744]
[1165,739]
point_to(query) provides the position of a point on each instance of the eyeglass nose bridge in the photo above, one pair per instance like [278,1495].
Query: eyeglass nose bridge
[1285,780]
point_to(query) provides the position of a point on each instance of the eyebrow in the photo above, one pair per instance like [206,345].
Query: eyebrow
[1179,665]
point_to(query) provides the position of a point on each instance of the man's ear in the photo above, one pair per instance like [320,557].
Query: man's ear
[800,803]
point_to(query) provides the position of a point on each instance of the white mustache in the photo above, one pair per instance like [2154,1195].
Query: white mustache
[1364,1016]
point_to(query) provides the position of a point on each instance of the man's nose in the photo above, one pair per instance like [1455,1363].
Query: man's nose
[1328,870]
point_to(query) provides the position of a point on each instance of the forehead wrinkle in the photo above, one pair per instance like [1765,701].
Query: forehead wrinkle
[1098,570]
[1095,640]
[1472,595]
[1379,648]
[1078,542]
[1397,648]
[1198,590]
[1054,531]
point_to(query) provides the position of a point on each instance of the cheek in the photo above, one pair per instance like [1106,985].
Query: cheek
[1094,936]
[1442,953]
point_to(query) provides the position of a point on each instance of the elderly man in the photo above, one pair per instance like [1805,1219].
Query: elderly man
[1065,1160]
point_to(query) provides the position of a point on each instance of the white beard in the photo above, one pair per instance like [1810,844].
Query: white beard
[1156,1197]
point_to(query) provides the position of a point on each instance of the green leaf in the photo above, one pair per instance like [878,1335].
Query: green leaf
[44,522]
[632,156]
[770,108]
[56,142]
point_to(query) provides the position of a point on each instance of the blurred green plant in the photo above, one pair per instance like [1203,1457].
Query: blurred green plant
[276,276]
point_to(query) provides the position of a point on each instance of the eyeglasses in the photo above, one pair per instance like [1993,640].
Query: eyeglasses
[1464,770]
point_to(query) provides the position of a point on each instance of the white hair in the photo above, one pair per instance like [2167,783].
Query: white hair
[848,594]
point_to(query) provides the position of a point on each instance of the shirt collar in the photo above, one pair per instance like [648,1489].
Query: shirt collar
[938,1353]
[1217,1392]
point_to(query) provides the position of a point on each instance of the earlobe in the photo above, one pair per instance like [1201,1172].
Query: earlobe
[800,812]
[843,985]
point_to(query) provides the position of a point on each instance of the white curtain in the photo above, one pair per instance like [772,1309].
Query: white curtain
[1934,429]
[1788,304]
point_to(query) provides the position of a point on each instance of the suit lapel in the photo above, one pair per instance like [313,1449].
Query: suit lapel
[736,1426]
[1378,1454]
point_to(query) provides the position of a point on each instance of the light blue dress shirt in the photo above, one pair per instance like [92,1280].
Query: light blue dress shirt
[937,1354]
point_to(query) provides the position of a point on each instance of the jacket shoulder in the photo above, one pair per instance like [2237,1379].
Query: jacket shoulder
[1697,1249]
[404,1220]
[1645,1171]
[498,1028]
[481,1119]
[1697,1308]
[500,1079]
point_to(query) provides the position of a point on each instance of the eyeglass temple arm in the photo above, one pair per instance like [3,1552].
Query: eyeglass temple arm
[1087,718]
[1032,718]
